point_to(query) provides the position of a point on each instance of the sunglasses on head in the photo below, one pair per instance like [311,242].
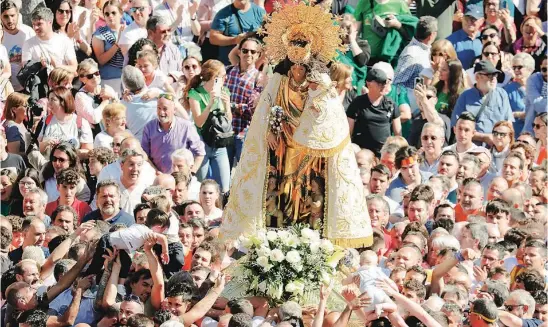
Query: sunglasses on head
[112,13]
[90,76]
[246,51]
[167,96]
[63,11]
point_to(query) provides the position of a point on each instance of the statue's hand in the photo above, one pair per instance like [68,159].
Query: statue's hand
[272,141]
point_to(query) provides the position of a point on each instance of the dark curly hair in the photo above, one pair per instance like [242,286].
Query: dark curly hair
[68,176]
[181,284]
[137,47]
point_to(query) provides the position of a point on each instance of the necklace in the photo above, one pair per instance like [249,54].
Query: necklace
[297,87]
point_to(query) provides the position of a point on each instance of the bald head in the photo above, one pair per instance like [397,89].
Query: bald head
[365,158]
[166,181]
[514,197]
[496,188]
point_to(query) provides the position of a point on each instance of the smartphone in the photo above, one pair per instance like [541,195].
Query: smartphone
[217,85]
[419,80]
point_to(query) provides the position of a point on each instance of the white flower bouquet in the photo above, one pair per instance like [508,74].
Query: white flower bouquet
[287,264]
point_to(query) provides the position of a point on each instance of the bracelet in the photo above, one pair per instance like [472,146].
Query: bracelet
[459,256]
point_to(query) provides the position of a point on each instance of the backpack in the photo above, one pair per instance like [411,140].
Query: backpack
[217,130]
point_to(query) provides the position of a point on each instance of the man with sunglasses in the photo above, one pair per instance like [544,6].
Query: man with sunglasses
[242,82]
[487,102]
[159,32]
[518,310]
[140,10]
[426,97]
[536,95]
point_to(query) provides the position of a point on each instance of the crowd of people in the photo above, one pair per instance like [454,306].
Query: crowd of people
[112,190]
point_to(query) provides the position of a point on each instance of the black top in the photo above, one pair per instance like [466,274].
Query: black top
[15,162]
[372,124]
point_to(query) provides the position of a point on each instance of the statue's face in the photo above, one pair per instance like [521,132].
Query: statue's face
[298,72]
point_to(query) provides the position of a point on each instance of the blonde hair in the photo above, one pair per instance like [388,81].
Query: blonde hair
[339,72]
[398,140]
[149,55]
[444,47]
[86,65]
[112,111]
[59,75]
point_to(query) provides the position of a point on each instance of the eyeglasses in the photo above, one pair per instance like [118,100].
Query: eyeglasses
[499,134]
[510,307]
[112,13]
[64,12]
[58,159]
[489,54]
[246,51]
[488,36]
[139,9]
[90,76]
[132,298]
[537,126]
[517,67]
[188,67]
[491,75]
[167,96]
[115,144]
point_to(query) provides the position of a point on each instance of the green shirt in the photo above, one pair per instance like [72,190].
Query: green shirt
[443,102]
[202,96]
[364,14]
[398,94]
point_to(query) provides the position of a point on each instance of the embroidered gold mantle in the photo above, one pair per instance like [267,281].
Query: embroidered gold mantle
[322,132]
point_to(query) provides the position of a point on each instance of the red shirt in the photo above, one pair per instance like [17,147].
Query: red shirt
[461,216]
[80,207]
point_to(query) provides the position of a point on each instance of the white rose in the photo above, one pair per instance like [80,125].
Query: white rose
[299,287]
[283,234]
[263,251]
[277,255]
[292,241]
[298,267]
[290,287]
[262,286]
[271,236]
[326,246]
[262,261]
[293,256]
[307,233]
[314,247]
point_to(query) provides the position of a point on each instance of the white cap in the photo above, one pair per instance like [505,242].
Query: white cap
[386,68]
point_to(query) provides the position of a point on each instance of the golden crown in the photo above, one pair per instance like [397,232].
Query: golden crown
[303,33]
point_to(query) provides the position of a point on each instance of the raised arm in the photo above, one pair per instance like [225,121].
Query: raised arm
[157,293]
[201,308]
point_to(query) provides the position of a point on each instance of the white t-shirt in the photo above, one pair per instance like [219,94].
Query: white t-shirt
[14,47]
[104,140]
[131,34]
[215,214]
[159,80]
[131,238]
[68,131]
[59,46]
[85,30]
[130,198]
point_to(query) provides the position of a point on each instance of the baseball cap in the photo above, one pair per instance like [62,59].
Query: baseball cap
[386,68]
[474,10]
[478,150]
[485,67]
[376,75]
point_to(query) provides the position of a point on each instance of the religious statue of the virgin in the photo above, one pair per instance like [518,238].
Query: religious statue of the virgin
[297,164]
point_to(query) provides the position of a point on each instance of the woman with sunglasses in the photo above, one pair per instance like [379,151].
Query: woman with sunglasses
[503,138]
[63,125]
[92,98]
[501,18]
[533,41]
[491,52]
[105,46]
[523,66]
[192,66]
[15,113]
[539,128]
[62,156]
[65,23]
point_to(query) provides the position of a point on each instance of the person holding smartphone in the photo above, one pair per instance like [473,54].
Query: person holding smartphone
[203,95]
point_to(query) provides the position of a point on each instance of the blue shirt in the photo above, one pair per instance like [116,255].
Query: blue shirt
[86,312]
[231,22]
[516,96]
[535,102]
[397,186]
[467,49]
[121,218]
[496,110]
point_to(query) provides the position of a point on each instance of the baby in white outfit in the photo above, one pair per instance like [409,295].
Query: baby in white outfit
[369,273]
